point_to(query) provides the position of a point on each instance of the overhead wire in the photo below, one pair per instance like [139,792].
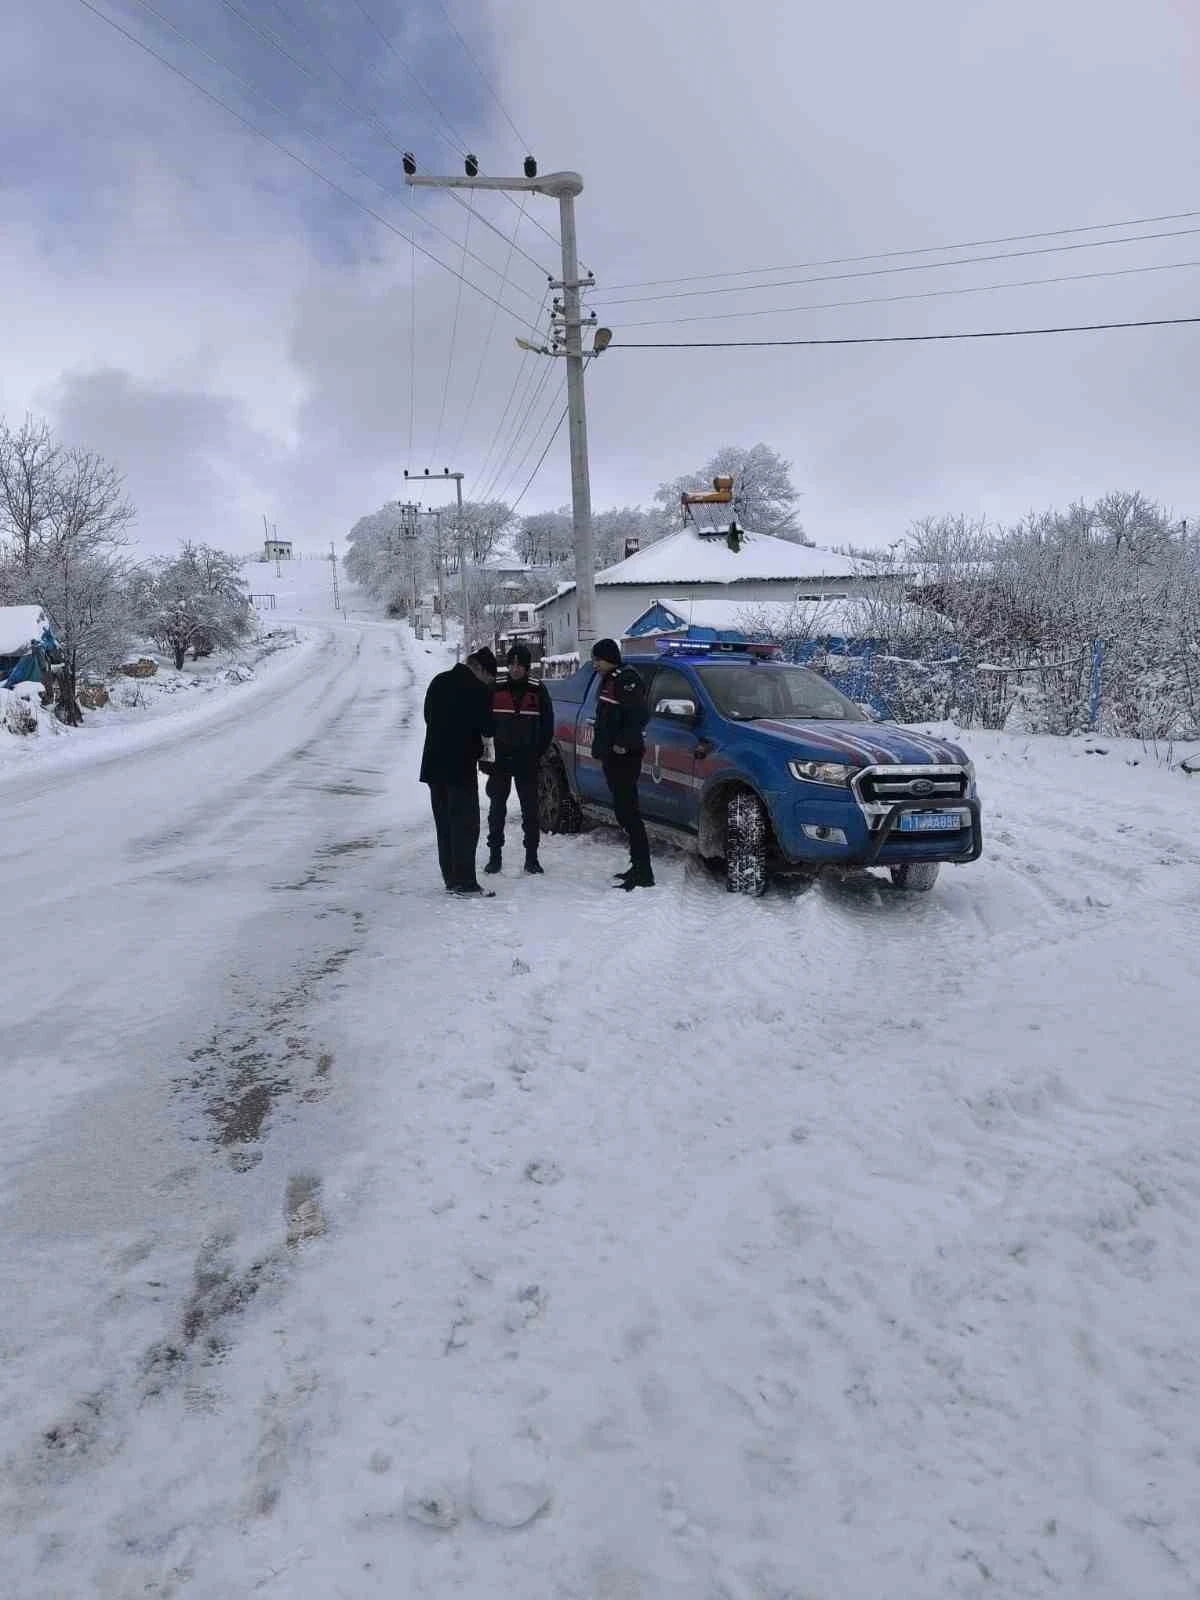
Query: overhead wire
[366,113]
[309,133]
[916,294]
[500,490]
[315,172]
[930,249]
[534,393]
[521,375]
[487,343]
[541,459]
[905,338]
[390,45]
[932,266]
[483,76]
[453,341]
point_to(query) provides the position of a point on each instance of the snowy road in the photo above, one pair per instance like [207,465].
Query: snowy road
[837,1245]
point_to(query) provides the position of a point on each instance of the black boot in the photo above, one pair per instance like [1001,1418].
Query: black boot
[532,865]
[493,860]
[639,878]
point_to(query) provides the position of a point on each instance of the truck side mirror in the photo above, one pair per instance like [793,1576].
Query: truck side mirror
[677,710]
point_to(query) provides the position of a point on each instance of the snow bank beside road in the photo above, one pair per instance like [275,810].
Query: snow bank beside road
[143,711]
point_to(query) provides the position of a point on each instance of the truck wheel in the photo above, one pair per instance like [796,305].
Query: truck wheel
[558,809]
[917,877]
[745,844]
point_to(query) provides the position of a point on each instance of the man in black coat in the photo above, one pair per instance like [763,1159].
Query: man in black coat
[524,718]
[458,735]
[618,744]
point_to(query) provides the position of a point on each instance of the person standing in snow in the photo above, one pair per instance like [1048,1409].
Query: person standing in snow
[458,736]
[523,715]
[619,746]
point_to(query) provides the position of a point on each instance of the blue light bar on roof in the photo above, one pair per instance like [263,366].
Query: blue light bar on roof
[714,647]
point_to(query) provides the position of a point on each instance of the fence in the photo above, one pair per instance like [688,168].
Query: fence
[1065,694]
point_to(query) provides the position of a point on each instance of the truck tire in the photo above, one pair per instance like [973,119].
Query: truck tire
[746,839]
[558,809]
[915,877]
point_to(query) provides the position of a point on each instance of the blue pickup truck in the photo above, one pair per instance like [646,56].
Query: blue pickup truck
[769,768]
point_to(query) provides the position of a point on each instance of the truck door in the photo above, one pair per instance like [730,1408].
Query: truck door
[667,788]
[589,776]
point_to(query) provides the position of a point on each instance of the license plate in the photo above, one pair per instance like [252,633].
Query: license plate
[930,821]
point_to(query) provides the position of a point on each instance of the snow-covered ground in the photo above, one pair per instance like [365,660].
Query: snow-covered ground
[585,1245]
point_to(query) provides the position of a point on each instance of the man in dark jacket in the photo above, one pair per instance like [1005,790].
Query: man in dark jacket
[458,735]
[619,746]
[524,721]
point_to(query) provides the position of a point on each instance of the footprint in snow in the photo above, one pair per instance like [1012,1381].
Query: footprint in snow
[544,1172]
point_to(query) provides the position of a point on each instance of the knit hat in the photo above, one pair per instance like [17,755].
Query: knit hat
[607,650]
[520,655]
[485,660]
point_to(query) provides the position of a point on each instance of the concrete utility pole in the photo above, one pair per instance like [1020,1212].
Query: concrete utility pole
[445,473]
[563,187]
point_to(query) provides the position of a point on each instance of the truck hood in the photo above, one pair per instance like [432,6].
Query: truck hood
[863,744]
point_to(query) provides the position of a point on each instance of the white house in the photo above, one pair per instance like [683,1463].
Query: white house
[693,565]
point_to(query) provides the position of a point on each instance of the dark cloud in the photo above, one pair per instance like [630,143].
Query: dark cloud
[236,336]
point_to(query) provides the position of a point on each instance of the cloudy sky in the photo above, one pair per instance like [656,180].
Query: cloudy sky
[234,332]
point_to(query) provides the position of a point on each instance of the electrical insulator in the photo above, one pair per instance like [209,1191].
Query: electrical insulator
[410,163]
[472,166]
[530,167]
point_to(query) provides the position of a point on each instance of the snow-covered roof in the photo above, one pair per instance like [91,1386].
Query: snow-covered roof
[19,626]
[819,616]
[687,557]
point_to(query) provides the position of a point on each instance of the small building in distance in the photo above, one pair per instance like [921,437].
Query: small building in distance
[277,549]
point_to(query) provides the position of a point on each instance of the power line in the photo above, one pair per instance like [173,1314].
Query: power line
[254,89]
[300,161]
[487,343]
[453,340]
[412,351]
[484,79]
[531,446]
[388,43]
[904,338]
[367,113]
[917,294]
[924,250]
[456,140]
[535,390]
[541,459]
[931,266]
[524,372]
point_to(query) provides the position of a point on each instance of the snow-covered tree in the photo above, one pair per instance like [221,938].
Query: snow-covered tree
[195,601]
[63,521]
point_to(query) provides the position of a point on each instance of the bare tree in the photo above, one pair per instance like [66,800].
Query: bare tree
[72,567]
[29,483]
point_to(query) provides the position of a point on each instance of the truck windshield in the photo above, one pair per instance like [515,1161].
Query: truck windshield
[747,694]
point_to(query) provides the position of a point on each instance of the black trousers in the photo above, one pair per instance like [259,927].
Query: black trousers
[621,774]
[499,787]
[456,817]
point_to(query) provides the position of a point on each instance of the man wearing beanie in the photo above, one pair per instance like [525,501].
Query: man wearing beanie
[524,720]
[619,746]
[458,735]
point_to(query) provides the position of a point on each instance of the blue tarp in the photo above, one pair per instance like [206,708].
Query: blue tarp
[34,665]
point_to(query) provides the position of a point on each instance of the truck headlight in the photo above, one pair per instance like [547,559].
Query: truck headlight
[835,772]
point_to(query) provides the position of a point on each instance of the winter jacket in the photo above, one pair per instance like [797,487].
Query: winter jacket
[524,721]
[621,715]
[458,717]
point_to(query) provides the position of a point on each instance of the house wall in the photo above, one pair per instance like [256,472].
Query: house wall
[617,605]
